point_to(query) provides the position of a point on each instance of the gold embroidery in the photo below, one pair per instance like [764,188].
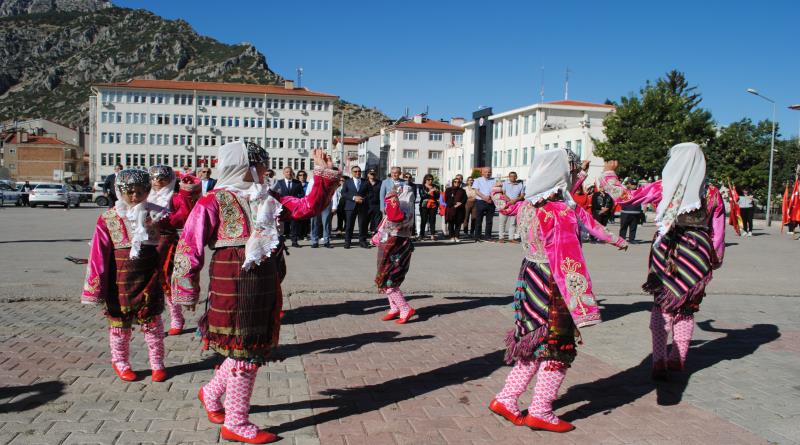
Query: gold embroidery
[576,284]
[531,243]
[182,263]
[547,215]
[92,285]
[115,229]
[231,215]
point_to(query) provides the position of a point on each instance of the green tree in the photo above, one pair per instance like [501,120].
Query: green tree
[644,126]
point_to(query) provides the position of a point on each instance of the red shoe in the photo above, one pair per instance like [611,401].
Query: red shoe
[539,424]
[175,331]
[158,375]
[217,417]
[501,410]
[390,316]
[127,375]
[403,320]
[675,365]
[261,437]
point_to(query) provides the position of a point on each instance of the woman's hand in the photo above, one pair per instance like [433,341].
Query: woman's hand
[610,166]
[321,159]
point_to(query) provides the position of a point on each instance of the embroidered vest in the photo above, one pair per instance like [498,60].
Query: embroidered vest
[119,228]
[234,218]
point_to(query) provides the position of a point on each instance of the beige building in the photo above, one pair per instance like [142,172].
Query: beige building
[418,146]
[42,157]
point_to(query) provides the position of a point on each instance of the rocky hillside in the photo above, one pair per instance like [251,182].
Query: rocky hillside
[53,50]
[359,121]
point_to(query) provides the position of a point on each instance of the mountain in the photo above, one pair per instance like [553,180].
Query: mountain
[53,50]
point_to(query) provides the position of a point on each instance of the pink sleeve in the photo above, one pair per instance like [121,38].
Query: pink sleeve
[198,231]
[579,181]
[97,270]
[181,206]
[325,183]
[646,194]
[596,229]
[718,227]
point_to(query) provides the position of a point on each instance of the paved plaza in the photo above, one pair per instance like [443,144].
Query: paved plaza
[346,378]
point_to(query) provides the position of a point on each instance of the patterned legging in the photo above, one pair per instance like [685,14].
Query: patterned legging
[548,381]
[682,328]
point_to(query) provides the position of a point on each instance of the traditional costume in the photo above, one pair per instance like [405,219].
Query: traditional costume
[122,274]
[239,221]
[689,244]
[179,203]
[393,239]
[554,294]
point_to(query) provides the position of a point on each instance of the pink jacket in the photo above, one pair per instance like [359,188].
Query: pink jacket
[220,220]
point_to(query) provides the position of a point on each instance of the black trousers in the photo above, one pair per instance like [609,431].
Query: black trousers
[483,210]
[362,214]
[628,222]
[375,216]
[747,218]
[427,217]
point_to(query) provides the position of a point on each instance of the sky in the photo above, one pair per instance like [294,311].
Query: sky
[454,57]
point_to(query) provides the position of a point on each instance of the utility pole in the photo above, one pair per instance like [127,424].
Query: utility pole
[566,85]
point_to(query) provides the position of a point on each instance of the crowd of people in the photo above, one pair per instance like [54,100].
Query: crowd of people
[149,249]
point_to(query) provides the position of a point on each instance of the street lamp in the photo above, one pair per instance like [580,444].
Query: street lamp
[797,108]
[771,155]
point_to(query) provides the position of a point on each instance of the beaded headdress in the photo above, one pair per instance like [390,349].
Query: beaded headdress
[162,172]
[256,154]
[130,178]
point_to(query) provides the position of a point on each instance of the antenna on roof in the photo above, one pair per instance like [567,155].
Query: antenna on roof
[566,85]
[299,77]
[541,89]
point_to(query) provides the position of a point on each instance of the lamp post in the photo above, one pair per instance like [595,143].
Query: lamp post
[796,107]
[771,155]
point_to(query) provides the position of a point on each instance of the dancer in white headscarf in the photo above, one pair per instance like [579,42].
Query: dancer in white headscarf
[554,294]
[239,221]
[689,244]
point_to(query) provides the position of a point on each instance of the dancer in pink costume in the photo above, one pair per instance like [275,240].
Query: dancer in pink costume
[393,239]
[554,294]
[688,246]
[122,273]
[239,220]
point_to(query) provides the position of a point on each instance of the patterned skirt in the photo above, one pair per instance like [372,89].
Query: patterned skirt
[136,294]
[394,260]
[242,318]
[680,268]
[166,253]
[543,326]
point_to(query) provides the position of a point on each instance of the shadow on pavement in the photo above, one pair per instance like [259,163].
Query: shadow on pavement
[206,363]
[612,311]
[73,240]
[353,307]
[354,401]
[343,344]
[467,303]
[38,394]
[607,394]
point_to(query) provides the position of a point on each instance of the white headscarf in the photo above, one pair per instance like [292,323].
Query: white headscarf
[163,197]
[233,166]
[549,173]
[681,184]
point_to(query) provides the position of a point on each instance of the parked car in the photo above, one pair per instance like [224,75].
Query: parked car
[79,190]
[10,194]
[56,194]
[98,197]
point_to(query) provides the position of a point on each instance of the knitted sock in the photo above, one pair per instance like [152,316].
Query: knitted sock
[400,301]
[681,337]
[239,389]
[154,337]
[392,304]
[176,320]
[213,390]
[120,342]
[548,381]
[660,325]
[516,383]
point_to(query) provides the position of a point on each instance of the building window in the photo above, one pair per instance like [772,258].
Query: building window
[508,158]
[409,136]
[409,154]
[569,145]
[435,136]
[510,130]
[434,154]
[434,172]
[411,171]
[546,147]
[555,145]
[525,125]
[579,148]
[525,153]
[458,139]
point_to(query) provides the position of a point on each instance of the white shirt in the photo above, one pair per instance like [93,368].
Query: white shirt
[484,185]
[205,186]
[357,182]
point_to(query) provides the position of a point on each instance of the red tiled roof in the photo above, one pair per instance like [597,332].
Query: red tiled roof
[33,139]
[213,86]
[348,141]
[429,124]
[578,103]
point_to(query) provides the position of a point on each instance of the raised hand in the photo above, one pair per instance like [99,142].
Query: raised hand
[610,166]
[321,159]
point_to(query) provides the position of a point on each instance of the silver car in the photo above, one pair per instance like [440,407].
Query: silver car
[56,194]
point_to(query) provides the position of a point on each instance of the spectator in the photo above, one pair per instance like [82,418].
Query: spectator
[207,183]
[428,206]
[338,207]
[515,192]
[304,226]
[109,188]
[747,208]
[288,186]
[469,208]
[26,189]
[354,194]
[389,183]
[415,189]
[484,207]
[270,173]
[321,224]
[373,200]
[629,216]
[456,200]
[602,205]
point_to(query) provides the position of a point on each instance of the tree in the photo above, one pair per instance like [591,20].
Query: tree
[643,128]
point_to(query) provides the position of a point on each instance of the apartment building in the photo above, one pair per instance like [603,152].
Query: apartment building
[140,123]
[508,141]
[418,146]
[41,156]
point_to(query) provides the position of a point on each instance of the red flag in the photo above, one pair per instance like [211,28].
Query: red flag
[794,204]
[736,213]
[785,207]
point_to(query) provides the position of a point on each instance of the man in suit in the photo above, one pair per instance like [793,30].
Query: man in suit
[288,186]
[354,194]
[387,184]
[108,186]
[207,183]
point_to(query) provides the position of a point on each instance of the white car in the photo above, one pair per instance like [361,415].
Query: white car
[56,194]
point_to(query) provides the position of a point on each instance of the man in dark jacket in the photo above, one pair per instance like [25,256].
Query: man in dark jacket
[288,186]
[602,206]
[374,200]
[629,217]
[108,186]
[354,195]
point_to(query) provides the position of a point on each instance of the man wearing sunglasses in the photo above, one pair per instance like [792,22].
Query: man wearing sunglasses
[207,182]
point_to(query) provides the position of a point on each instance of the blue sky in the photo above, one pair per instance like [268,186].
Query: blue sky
[456,56]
